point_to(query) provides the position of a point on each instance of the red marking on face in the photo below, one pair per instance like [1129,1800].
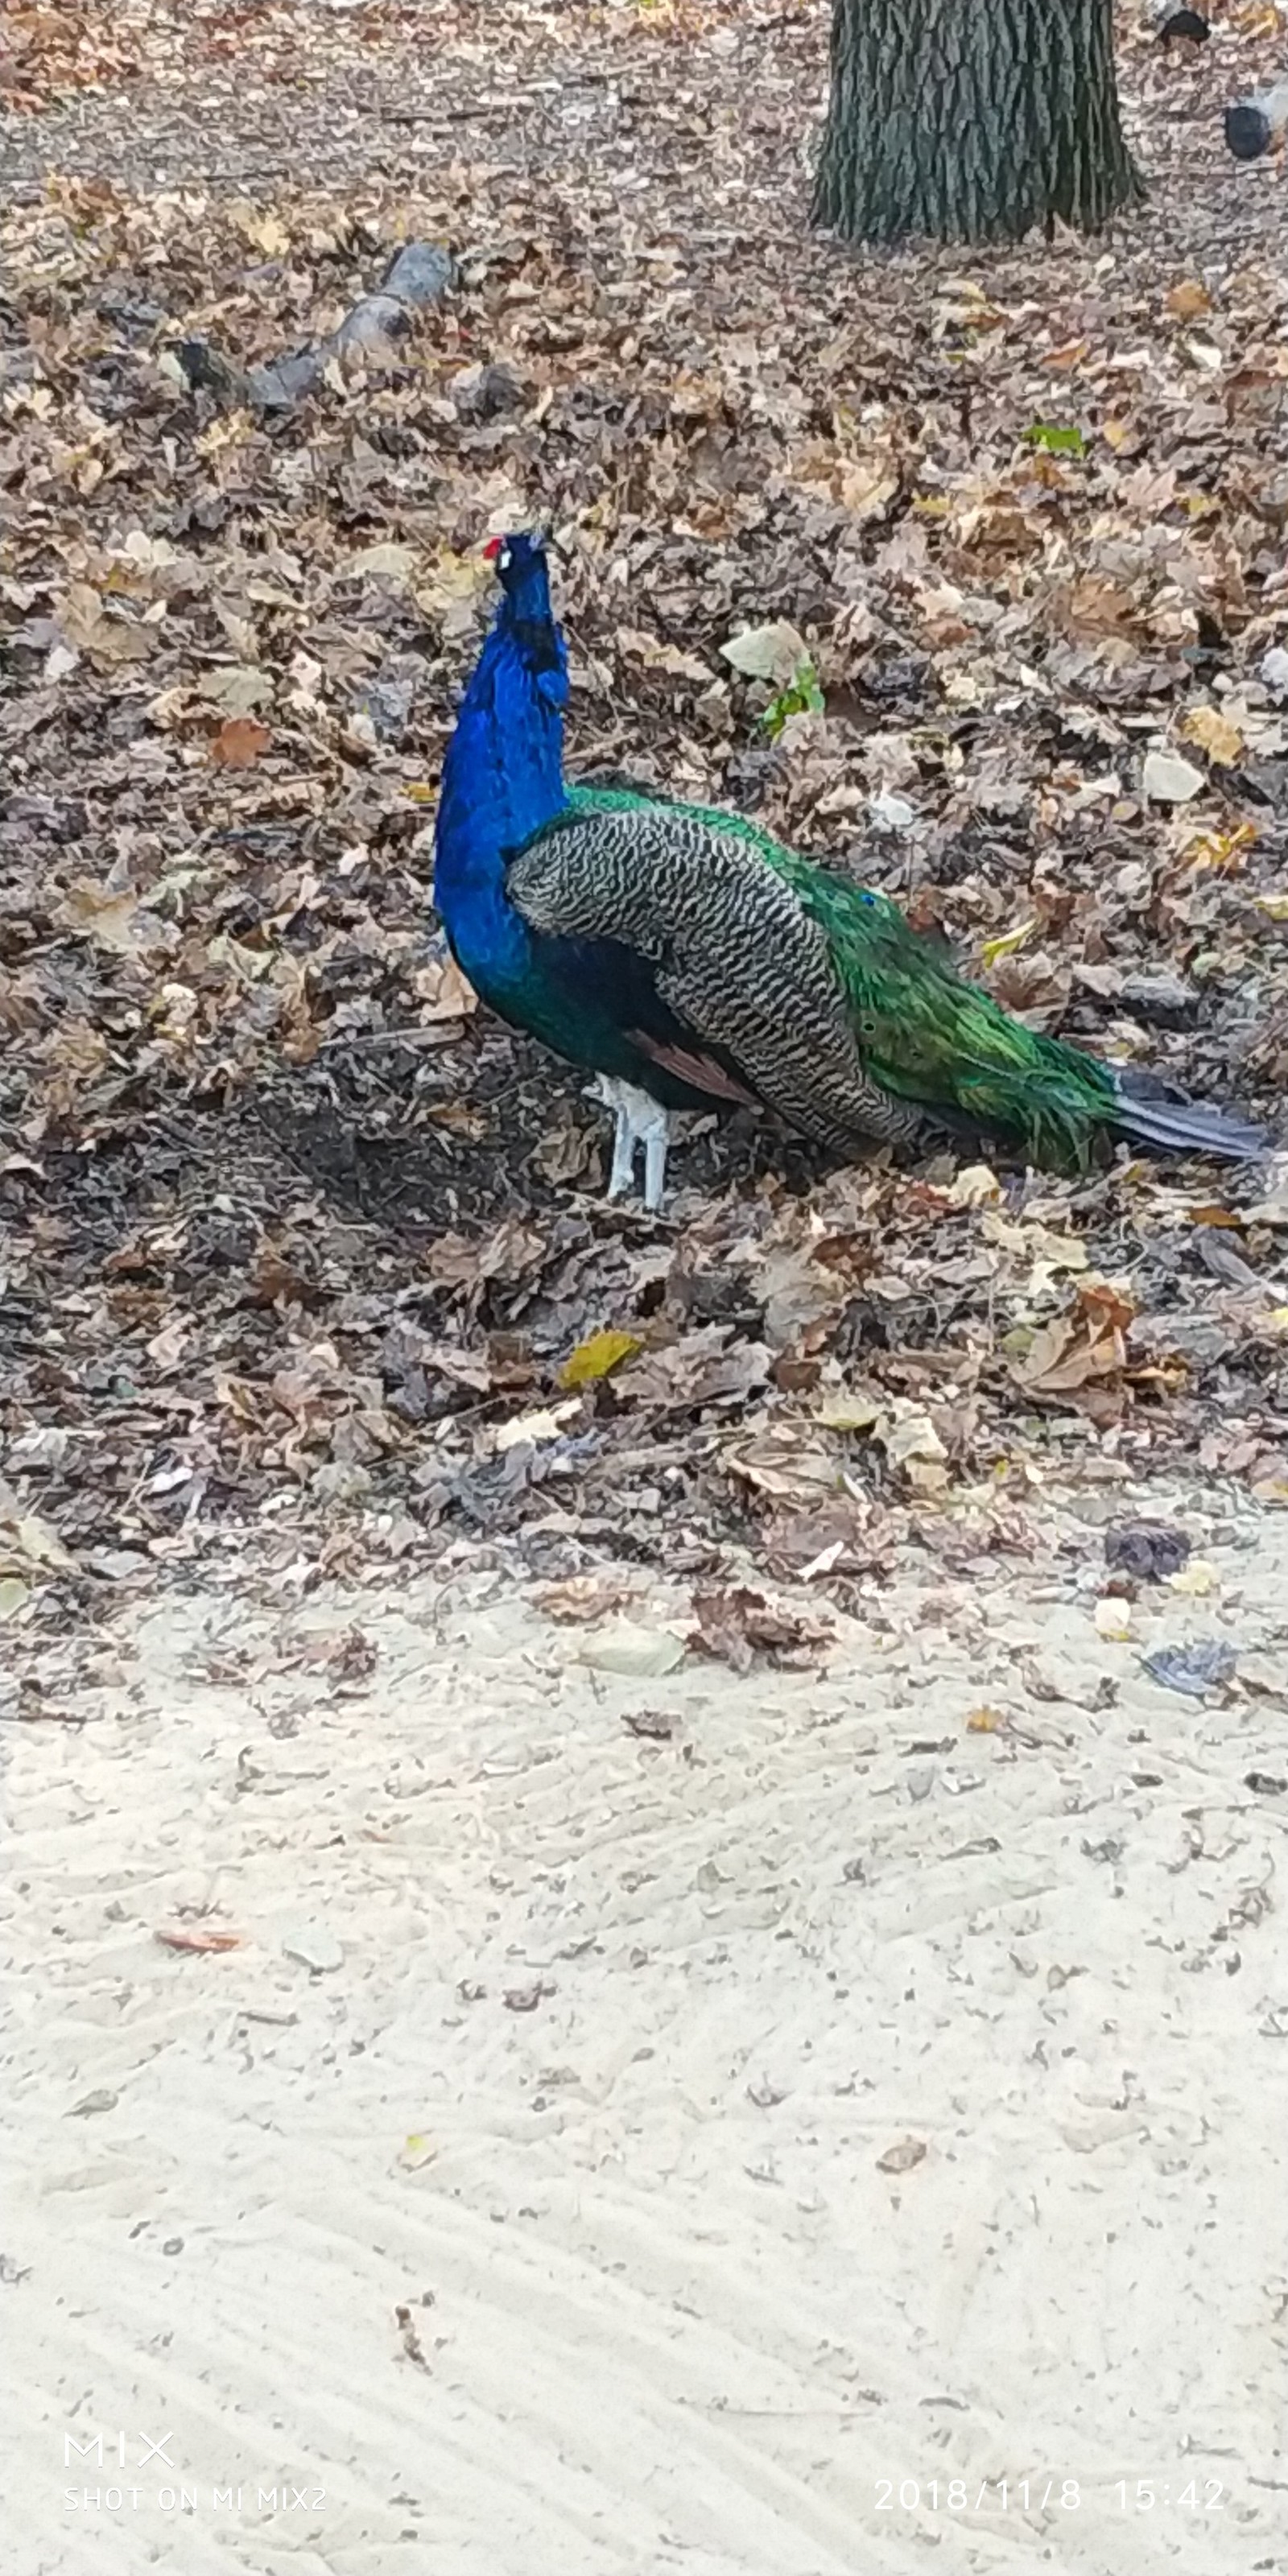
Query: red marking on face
[492,549]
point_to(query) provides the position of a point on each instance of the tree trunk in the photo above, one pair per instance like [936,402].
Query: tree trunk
[971,120]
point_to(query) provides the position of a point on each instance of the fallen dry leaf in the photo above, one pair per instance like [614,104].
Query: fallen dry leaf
[598,1356]
[734,1625]
[581,1597]
[239,743]
[1215,734]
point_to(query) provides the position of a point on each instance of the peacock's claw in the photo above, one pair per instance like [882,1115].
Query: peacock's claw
[640,1120]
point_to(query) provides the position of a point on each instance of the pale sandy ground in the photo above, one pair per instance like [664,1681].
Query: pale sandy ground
[665,2311]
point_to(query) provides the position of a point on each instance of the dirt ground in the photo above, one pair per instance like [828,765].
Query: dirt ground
[672,2122]
[636,1973]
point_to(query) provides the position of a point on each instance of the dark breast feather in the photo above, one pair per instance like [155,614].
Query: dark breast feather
[597,1000]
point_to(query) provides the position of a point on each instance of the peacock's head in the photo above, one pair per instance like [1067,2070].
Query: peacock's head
[518,561]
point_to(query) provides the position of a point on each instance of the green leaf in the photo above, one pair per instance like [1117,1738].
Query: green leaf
[801,697]
[1056,440]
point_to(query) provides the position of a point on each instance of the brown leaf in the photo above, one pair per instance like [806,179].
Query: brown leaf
[584,1596]
[443,992]
[239,743]
[704,1367]
[1087,1343]
[180,1938]
[737,1624]
[654,1725]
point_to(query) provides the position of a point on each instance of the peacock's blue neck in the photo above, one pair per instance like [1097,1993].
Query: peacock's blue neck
[502,779]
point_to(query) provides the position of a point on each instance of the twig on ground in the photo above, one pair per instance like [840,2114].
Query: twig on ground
[419,276]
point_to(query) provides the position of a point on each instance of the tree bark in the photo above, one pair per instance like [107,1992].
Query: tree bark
[972,120]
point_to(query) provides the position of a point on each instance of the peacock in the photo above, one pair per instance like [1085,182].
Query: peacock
[688,960]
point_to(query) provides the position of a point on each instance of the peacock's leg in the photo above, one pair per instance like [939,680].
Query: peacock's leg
[640,1120]
[654,1130]
[622,1176]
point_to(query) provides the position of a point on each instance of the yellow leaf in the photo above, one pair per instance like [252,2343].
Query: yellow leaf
[1222,849]
[985,1721]
[1214,734]
[1007,942]
[1187,299]
[1275,906]
[597,1357]
[418,793]
[1197,1577]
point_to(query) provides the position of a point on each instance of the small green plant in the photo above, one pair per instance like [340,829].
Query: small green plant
[1054,439]
[801,697]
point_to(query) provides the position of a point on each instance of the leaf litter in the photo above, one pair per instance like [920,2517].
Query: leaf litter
[971,583]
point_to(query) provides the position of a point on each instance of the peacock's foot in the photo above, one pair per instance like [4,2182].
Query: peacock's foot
[640,1120]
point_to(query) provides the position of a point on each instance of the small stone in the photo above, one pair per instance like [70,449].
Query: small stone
[315,1948]
[102,2100]
[1113,1621]
[636,1652]
[1274,670]
[525,1999]
[1168,780]
[902,2156]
